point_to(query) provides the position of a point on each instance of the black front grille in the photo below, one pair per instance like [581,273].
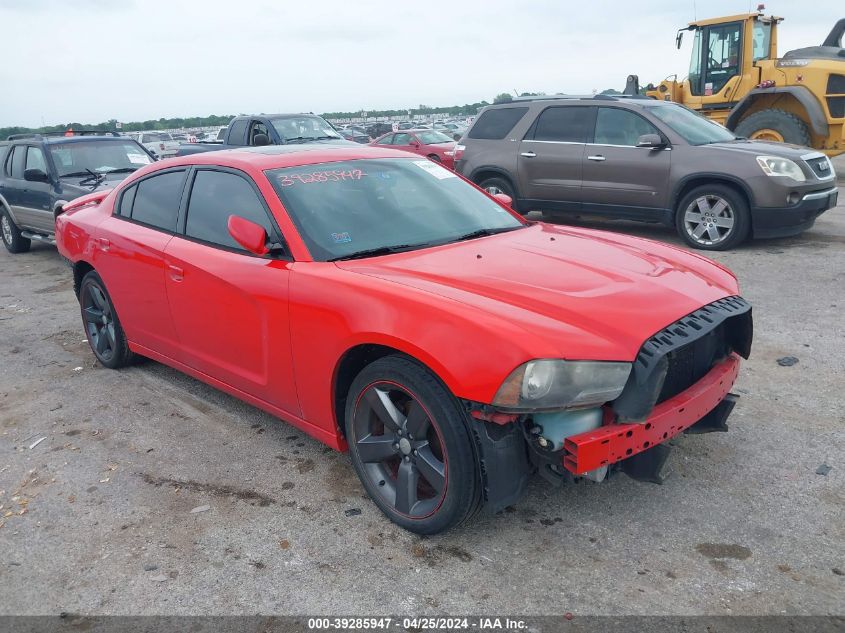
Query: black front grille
[690,363]
[681,354]
[820,166]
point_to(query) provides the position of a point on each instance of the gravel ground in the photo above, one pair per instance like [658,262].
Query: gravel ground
[153,493]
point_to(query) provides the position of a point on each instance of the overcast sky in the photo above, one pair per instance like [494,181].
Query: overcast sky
[93,60]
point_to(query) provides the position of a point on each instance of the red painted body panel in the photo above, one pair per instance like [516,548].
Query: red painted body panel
[273,332]
[615,442]
[432,149]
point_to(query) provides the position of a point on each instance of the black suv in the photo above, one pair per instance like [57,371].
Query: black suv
[643,159]
[41,173]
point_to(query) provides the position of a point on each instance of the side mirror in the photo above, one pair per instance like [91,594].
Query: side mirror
[650,141]
[248,234]
[505,199]
[415,145]
[35,175]
[260,140]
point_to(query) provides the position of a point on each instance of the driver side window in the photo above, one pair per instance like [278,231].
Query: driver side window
[257,128]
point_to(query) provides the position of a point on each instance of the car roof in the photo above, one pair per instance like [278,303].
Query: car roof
[276,156]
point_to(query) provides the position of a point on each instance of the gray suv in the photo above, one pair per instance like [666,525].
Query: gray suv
[643,159]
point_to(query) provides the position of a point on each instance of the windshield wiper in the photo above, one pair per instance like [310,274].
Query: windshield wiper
[484,233]
[375,252]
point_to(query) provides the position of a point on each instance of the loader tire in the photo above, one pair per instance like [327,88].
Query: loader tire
[774,125]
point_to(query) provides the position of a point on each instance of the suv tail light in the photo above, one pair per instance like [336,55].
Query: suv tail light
[459,151]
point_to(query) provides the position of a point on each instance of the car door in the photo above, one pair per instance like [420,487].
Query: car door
[550,157]
[620,178]
[403,140]
[230,307]
[37,197]
[133,240]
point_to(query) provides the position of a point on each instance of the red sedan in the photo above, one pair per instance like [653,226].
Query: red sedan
[431,143]
[384,305]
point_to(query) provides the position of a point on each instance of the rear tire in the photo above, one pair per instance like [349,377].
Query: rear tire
[12,238]
[102,325]
[411,446]
[713,217]
[435,158]
[774,123]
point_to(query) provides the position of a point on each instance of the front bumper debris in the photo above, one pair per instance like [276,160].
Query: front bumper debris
[615,442]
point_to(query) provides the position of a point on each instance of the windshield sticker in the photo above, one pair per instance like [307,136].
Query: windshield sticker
[434,169]
[335,175]
[138,159]
[341,238]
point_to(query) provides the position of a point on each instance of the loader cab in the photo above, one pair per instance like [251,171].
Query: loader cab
[725,52]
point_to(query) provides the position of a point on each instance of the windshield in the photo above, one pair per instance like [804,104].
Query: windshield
[429,138]
[301,129]
[346,208]
[692,127]
[101,157]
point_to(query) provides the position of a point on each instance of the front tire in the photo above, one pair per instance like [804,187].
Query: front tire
[13,240]
[713,218]
[101,323]
[411,447]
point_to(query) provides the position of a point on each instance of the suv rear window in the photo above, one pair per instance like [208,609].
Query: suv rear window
[495,124]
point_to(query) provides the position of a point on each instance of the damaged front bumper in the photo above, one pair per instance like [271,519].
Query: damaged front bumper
[609,444]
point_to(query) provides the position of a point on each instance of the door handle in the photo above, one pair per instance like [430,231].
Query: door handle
[598,157]
[528,154]
[176,273]
[103,243]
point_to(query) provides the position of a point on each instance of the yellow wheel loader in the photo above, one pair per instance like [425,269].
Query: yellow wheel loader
[736,78]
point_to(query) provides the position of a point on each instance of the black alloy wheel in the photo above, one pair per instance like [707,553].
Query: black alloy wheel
[401,449]
[102,326]
[411,447]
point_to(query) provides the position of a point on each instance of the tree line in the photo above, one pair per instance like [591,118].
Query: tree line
[215,120]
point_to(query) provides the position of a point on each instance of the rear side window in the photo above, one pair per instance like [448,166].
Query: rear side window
[237,133]
[157,200]
[495,124]
[124,208]
[568,124]
[214,197]
[17,161]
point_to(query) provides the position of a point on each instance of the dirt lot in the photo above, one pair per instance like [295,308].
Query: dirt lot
[101,509]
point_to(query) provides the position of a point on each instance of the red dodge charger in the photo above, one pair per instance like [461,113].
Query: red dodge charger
[385,305]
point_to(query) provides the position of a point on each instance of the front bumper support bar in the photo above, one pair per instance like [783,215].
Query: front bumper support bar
[614,442]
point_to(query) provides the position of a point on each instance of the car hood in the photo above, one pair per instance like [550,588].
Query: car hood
[759,148]
[585,293]
[71,187]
